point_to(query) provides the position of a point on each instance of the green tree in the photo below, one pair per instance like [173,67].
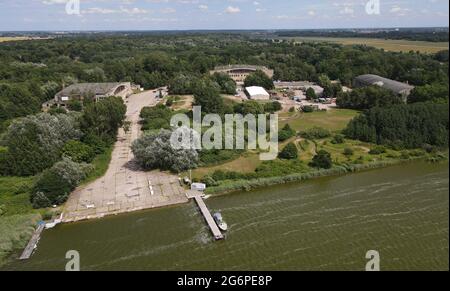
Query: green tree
[368,97]
[227,85]
[207,95]
[104,118]
[79,152]
[260,79]
[154,151]
[75,105]
[286,133]
[311,94]
[322,160]
[249,107]
[290,152]
[430,93]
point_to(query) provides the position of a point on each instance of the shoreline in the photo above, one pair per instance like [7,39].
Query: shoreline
[233,186]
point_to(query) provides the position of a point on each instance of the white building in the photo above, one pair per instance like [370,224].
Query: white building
[257,93]
[198,187]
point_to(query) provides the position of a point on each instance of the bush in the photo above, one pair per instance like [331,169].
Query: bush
[338,139]
[75,105]
[377,150]
[97,144]
[316,133]
[272,107]
[55,184]
[286,133]
[348,152]
[249,107]
[307,109]
[322,160]
[209,181]
[169,102]
[157,117]
[290,152]
[214,156]
[79,152]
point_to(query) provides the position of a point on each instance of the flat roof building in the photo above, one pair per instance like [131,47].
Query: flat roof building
[257,93]
[240,72]
[95,91]
[398,88]
[299,85]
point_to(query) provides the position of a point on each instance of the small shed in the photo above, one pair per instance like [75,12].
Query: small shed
[198,187]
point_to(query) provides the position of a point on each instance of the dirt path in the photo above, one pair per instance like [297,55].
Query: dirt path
[125,187]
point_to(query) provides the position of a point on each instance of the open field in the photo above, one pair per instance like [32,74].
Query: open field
[333,120]
[247,163]
[18,38]
[386,44]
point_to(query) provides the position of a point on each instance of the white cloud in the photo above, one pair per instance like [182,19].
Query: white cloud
[121,10]
[232,10]
[347,11]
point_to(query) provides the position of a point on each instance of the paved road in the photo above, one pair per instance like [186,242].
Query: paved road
[125,187]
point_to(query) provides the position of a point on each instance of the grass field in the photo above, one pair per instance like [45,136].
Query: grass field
[333,120]
[246,163]
[386,44]
[18,38]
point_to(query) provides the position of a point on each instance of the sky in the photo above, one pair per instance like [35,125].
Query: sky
[25,15]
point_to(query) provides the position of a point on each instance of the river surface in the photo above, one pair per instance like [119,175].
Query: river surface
[323,224]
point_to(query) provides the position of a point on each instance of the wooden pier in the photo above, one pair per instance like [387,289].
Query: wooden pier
[29,249]
[198,197]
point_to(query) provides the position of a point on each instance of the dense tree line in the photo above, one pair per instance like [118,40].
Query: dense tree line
[368,97]
[36,142]
[402,126]
[33,71]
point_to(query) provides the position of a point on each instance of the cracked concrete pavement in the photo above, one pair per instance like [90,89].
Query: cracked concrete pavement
[125,187]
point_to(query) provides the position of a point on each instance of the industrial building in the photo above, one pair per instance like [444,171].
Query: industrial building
[257,93]
[399,88]
[299,85]
[240,72]
[94,91]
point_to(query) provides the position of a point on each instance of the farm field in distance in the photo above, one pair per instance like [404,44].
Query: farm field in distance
[386,44]
[18,38]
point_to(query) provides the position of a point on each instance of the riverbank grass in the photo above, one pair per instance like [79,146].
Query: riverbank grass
[17,216]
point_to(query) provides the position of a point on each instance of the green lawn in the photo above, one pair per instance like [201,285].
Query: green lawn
[246,163]
[333,120]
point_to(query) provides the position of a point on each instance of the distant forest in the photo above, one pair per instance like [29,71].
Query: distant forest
[33,71]
[419,34]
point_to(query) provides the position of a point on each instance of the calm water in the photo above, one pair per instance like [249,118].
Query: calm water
[325,224]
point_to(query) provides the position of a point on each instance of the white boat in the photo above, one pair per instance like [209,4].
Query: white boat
[219,221]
